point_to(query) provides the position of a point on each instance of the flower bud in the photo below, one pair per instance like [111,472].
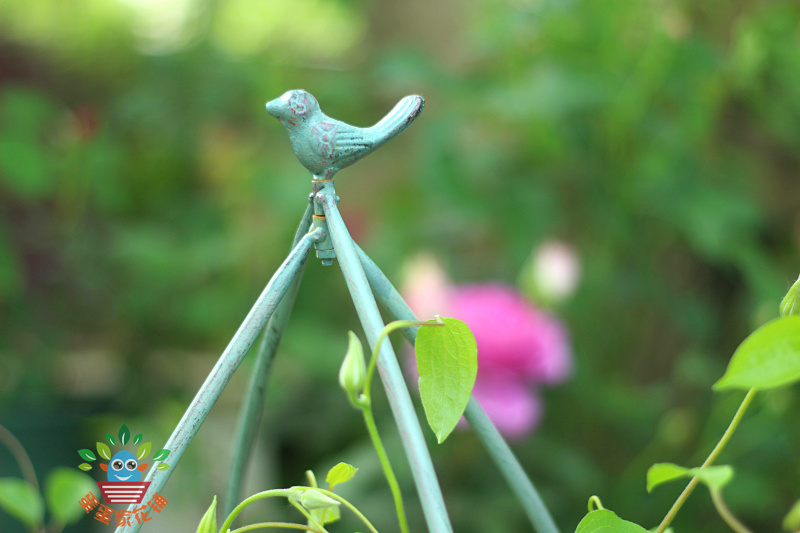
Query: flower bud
[353,373]
[790,305]
[312,499]
[209,522]
[552,273]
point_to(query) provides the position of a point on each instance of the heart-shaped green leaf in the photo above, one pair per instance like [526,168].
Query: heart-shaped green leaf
[87,455]
[768,358]
[63,487]
[447,362]
[714,477]
[605,521]
[339,474]
[22,501]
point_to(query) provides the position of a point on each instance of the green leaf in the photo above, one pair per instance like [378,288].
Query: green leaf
[162,466]
[605,521]
[137,439]
[327,515]
[124,434]
[447,362]
[144,451]
[208,524]
[768,358]
[161,454]
[662,473]
[63,487]
[85,466]
[791,521]
[22,501]
[714,477]
[110,439]
[104,451]
[87,455]
[339,474]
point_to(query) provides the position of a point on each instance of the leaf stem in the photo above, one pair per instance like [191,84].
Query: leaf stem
[397,495]
[726,514]
[254,498]
[20,455]
[350,506]
[284,525]
[737,418]
[365,404]
[311,520]
[389,328]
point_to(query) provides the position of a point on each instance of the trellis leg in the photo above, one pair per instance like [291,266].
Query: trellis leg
[495,445]
[227,364]
[430,494]
[250,415]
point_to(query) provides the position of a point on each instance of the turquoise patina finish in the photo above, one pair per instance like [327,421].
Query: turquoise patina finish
[324,146]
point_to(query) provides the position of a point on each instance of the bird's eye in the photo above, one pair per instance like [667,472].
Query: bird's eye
[117,464]
[131,464]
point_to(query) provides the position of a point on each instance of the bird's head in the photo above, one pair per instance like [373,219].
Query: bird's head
[293,107]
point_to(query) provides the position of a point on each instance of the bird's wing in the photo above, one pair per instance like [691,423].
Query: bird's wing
[351,144]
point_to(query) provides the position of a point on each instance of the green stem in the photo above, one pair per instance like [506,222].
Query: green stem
[389,328]
[365,403]
[369,420]
[710,460]
[285,525]
[20,455]
[726,514]
[350,506]
[595,503]
[311,520]
[291,494]
[286,493]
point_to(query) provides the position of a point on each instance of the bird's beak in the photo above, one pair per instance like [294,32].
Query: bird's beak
[273,106]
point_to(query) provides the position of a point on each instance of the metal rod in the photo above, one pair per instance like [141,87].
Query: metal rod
[430,494]
[227,364]
[495,445]
[253,407]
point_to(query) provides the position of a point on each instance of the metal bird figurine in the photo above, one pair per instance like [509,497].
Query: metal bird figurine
[325,145]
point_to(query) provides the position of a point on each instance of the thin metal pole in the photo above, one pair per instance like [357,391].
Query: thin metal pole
[494,443]
[250,416]
[430,494]
[227,364]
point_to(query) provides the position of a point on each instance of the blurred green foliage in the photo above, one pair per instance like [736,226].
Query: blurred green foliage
[146,198]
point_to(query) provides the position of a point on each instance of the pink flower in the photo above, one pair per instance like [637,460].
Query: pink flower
[519,345]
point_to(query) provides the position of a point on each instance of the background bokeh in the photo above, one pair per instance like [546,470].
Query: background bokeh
[146,198]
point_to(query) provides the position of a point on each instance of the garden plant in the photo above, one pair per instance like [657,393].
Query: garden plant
[446,363]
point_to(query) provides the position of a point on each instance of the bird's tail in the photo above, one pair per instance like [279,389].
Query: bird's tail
[399,118]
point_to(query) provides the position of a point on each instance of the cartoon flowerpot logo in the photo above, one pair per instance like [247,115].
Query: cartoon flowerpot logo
[124,469]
